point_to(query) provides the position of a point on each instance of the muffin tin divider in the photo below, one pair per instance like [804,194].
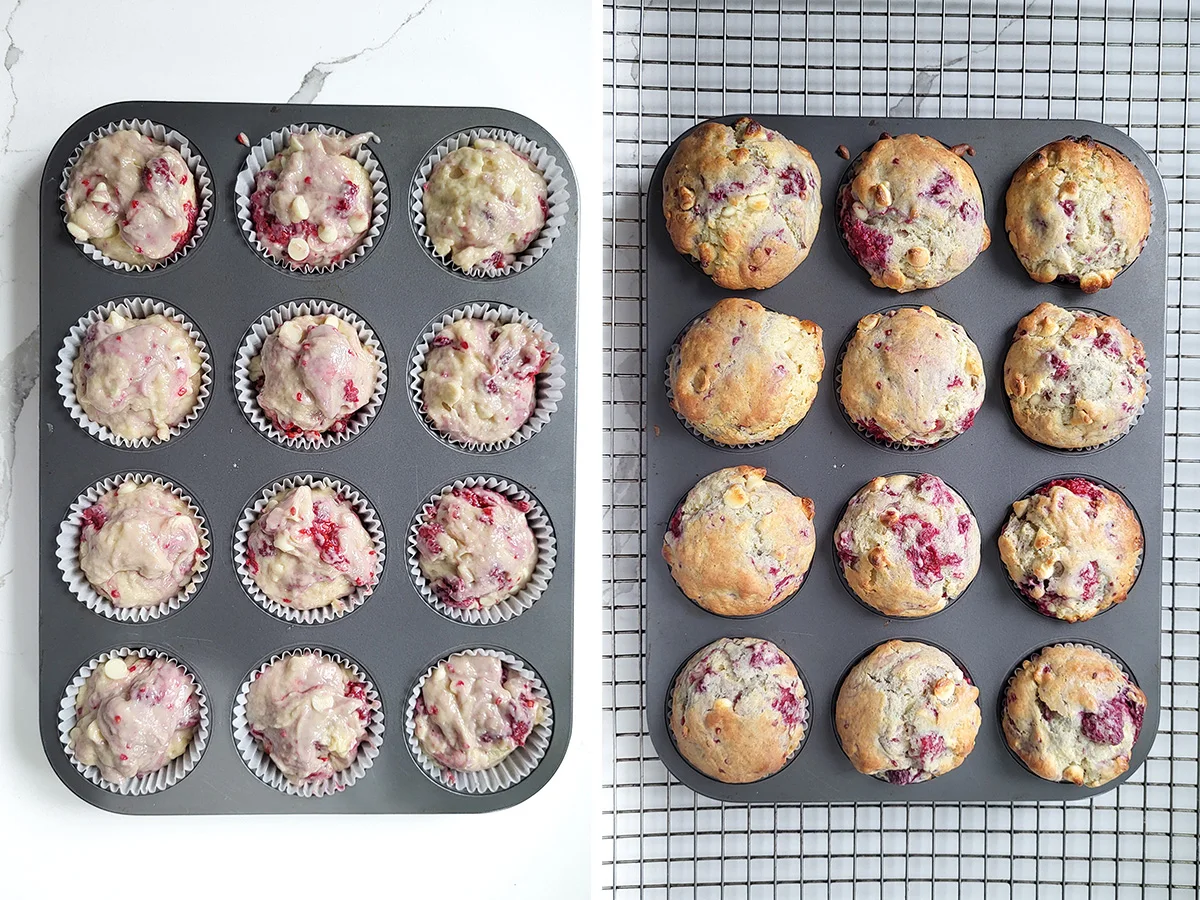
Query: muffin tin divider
[992,464]
[221,634]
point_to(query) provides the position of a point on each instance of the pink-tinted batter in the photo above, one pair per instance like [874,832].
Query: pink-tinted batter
[133,716]
[475,547]
[474,711]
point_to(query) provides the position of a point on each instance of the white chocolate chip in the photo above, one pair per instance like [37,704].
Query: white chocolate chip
[322,702]
[100,195]
[290,332]
[358,224]
[327,233]
[298,249]
[115,669]
[78,232]
[294,143]
[299,209]
[860,211]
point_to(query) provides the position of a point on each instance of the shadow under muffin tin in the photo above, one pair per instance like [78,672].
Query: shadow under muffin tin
[225,285]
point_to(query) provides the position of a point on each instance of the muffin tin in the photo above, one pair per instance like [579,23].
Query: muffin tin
[224,286]
[992,464]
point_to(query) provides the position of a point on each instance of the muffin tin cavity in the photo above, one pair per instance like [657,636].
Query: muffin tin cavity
[989,465]
[228,458]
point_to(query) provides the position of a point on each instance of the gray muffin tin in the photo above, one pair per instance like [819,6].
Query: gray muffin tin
[822,627]
[223,286]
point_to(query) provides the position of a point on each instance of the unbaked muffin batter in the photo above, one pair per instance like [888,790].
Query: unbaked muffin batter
[480,379]
[308,549]
[474,710]
[137,377]
[139,544]
[484,204]
[132,197]
[133,716]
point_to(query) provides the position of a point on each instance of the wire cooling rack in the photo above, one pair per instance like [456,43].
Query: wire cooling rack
[669,63]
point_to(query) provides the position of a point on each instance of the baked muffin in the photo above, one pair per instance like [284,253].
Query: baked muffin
[133,716]
[911,377]
[308,549]
[484,204]
[479,384]
[133,198]
[744,374]
[908,545]
[1071,714]
[738,710]
[1072,547]
[309,714]
[137,377]
[906,713]
[743,201]
[474,710]
[1077,211]
[139,544]
[1074,379]
[740,545]
[475,547]
[911,213]
[312,375]
[313,201]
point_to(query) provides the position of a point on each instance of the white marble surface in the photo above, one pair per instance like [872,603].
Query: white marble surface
[63,59]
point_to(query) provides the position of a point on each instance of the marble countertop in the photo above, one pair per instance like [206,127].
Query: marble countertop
[62,59]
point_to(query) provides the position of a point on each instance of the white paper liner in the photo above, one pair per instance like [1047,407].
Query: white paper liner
[514,767]
[264,151]
[264,767]
[195,162]
[71,529]
[158,780]
[557,198]
[1002,706]
[247,391]
[550,383]
[135,308]
[543,534]
[669,709]
[321,614]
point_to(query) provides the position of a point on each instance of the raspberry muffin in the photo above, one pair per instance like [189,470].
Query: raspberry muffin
[911,213]
[911,377]
[133,716]
[1072,547]
[1071,714]
[308,549]
[743,201]
[908,545]
[479,384]
[906,713]
[137,377]
[474,710]
[1077,211]
[484,204]
[309,714]
[139,545]
[744,374]
[313,201]
[1074,379]
[740,545]
[133,198]
[312,375]
[738,710]
[475,547]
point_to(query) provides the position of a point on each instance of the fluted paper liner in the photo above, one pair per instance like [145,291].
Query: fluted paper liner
[543,534]
[557,198]
[195,163]
[264,767]
[514,767]
[133,308]
[321,614]
[158,780]
[71,530]
[247,391]
[264,151]
[549,384]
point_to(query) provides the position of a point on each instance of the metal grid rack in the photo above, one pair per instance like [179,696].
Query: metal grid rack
[669,63]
